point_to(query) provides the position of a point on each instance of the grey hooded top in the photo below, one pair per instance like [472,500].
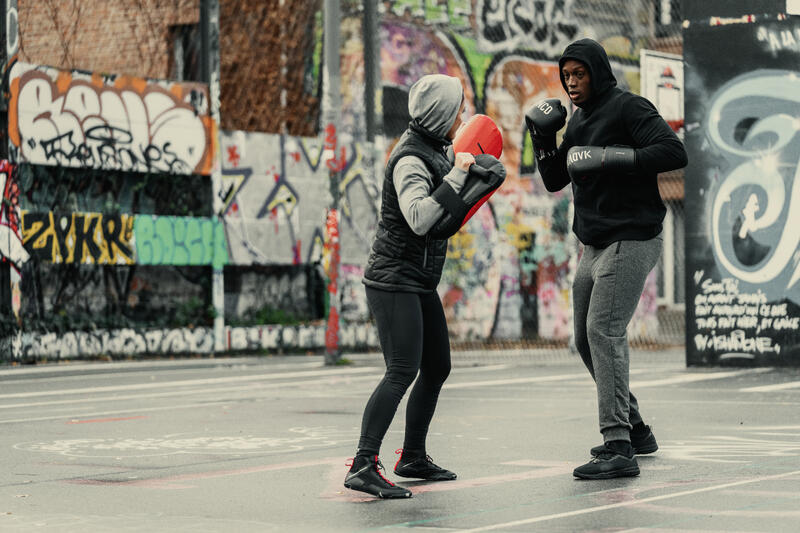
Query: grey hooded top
[434,102]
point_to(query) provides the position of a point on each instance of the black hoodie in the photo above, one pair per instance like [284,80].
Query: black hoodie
[620,206]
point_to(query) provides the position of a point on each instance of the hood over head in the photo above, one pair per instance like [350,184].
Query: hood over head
[593,55]
[434,102]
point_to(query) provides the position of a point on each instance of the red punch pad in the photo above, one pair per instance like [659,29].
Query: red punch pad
[479,135]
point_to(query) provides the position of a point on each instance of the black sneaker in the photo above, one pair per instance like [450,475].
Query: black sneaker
[608,464]
[422,468]
[365,475]
[642,443]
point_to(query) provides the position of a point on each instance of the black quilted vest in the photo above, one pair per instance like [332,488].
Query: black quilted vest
[401,260]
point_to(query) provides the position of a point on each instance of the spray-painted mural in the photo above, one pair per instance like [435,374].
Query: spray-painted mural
[94,238]
[276,189]
[273,339]
[508,270]
[116,232]
[11,248]
[743,190]
[107,170]
[85,120]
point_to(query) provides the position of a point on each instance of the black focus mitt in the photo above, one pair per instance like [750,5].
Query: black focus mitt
[483,179]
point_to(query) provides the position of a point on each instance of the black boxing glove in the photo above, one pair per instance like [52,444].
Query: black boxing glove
[543,121]
[586,161]
[546,117]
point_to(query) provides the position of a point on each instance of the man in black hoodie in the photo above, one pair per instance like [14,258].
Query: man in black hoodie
[614,146]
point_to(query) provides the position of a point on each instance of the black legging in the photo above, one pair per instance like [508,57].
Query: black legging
[413,335]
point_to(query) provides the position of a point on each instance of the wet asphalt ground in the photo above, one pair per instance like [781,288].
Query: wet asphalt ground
[260,444]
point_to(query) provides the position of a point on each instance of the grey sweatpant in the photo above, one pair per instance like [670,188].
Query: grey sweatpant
[607,287]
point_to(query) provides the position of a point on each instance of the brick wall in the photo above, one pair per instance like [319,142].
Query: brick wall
[253,36]
[114,36]
[133,37]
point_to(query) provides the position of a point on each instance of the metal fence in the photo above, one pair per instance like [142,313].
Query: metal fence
[278,168]
[508,286]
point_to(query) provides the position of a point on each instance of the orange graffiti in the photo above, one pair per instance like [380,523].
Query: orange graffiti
[40,93]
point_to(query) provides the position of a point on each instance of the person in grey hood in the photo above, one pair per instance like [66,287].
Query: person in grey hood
[614,146]
[402,272]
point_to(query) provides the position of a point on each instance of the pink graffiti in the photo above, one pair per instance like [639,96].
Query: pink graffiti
[233,156]
[338,162]
[11,248]
[332,247]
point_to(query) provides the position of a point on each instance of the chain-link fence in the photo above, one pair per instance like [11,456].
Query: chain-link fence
[136,224]
[507,280]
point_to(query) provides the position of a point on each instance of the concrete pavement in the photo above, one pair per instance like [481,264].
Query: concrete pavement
[259,444]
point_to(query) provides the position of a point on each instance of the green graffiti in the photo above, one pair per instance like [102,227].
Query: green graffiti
[435,12]
[179,241]
[455,14]
[478,62]
[458,12]
[414,7]
[527,152]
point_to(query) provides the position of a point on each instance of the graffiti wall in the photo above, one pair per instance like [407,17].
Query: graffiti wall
[105,211]
[116,235]
[275,192]
[508,271]
[126,342]
[95,238]
[88,120]
[743,190]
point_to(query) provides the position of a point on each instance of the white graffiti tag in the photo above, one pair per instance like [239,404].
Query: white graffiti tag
[62,118]
[542,25]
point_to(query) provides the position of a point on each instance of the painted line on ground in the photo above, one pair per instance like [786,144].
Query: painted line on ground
[176,482]
[512,381]
[99,369]
[629,503]
[692,378]
[99,420]
[210,391]
[189,382]
[252,387]
[116,412]
[751,510]
[247,392]
[772,388]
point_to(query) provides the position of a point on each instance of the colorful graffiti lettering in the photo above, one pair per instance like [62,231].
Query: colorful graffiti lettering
[71,119]
[179,241]
[454,13]
[78,237]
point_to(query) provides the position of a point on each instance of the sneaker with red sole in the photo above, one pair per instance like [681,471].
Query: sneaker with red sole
[421,468]
[365,475]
